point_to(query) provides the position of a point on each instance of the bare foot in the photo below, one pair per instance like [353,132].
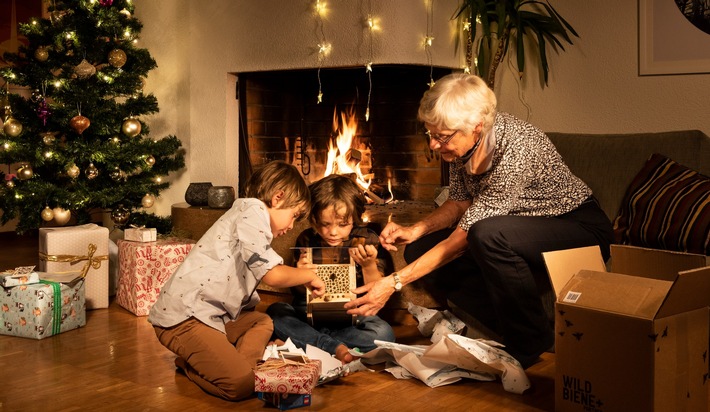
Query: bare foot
[342,354]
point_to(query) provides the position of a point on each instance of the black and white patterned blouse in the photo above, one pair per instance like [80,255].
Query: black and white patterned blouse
[527,177]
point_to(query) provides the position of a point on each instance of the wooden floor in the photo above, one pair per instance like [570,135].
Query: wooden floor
[116,363]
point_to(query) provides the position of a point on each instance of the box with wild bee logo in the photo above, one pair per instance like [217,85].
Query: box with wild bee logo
[644,322]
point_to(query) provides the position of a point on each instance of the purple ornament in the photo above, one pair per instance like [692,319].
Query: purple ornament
[43,111]
[106,3]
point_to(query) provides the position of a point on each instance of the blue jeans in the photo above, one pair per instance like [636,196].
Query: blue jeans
[290,322]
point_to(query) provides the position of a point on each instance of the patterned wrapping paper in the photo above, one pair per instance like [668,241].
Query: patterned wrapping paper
[278,376]
[23,275]
[69,249]
[144,268]
[42,309]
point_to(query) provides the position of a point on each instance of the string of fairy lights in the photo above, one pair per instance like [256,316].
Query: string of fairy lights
[372,26]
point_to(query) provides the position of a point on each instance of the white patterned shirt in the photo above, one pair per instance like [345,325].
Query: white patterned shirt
[527,177]
[220,274]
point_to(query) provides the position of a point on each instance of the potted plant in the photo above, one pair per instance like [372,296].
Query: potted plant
[506,21]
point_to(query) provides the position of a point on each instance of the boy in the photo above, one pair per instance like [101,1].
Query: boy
[336,220]
[205,312]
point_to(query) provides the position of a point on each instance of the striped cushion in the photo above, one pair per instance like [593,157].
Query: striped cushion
[667,206]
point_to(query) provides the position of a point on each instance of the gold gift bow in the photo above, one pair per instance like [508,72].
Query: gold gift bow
[91,260]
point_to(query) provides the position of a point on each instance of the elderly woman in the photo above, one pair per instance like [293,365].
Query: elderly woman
[511,198]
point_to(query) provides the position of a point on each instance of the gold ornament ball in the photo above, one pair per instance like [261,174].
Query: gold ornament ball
[115,174]
[91,172]
[117,58]
[48,138]
[41,54]
[148,200]
[25,172]
[12,127]
[150,160]
[47,214]
[61,216]
[120,215]
[131,127]
[73,171]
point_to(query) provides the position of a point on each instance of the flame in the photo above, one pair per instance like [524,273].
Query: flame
[340,149]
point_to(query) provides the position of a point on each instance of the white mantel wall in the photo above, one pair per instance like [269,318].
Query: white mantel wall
[594,85]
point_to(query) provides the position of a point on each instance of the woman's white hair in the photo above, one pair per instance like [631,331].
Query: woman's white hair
[458,101]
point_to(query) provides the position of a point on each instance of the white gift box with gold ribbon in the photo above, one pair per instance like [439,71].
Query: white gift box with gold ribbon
[81,249]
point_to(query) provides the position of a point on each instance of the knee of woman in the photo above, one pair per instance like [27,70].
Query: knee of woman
[483,233]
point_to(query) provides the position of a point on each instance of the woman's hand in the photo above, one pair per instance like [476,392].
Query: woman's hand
[376,296]
[394,234]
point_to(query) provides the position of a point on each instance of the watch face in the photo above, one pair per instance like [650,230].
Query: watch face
[398,286]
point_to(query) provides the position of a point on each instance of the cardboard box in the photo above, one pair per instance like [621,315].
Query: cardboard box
[72,249]
[144,267]
[634,338]
[42,309]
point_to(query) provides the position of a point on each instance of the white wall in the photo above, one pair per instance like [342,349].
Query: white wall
[594,86]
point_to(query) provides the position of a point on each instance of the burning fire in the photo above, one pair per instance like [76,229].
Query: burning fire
[346,155]
[343,158]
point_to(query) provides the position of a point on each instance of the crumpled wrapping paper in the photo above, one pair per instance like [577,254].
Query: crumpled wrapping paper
[450,358]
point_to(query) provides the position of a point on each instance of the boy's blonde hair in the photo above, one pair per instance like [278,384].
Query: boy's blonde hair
[337,191]
[275,176]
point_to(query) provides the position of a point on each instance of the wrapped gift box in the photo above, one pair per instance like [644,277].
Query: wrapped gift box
[140,234]
[285,401]
[283,376]
[143,269]
[82,249]
[42,309]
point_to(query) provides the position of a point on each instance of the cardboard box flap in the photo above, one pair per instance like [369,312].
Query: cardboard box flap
[691,290]
[616,293]
[653,263]
[562,265]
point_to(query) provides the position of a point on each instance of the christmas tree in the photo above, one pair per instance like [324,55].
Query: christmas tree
[73,138]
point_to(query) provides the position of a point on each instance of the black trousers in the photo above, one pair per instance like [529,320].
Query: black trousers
[502,275]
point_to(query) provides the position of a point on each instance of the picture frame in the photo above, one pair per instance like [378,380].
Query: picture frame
[668,42]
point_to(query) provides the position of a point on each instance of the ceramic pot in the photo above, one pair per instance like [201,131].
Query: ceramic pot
[220,197]
[196,194]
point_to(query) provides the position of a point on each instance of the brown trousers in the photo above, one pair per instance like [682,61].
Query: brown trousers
[222,365]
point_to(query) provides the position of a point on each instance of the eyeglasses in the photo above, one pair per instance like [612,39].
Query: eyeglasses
[442,139]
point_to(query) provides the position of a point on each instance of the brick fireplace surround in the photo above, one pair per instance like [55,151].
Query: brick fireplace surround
[279,107]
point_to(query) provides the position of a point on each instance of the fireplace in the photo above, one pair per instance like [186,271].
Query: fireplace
[282,119]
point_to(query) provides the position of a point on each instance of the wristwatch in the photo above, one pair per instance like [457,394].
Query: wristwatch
[397,282]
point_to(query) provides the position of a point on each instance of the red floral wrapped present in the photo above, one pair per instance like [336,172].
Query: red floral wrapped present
[143,269]
[279,376]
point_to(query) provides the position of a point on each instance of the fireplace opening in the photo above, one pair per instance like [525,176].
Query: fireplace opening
[281,118]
